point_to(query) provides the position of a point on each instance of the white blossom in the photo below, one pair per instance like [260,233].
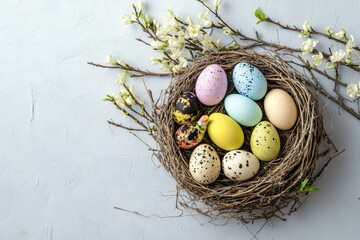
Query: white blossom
[123,76]
[156,23]
[350,50]
[119,100]
[340,35]
[127,19]
[165,68]
[330,65]
[203,16]
[207,42]
[317,59]
[110,60]
[163,31]
[175,68]
[129,100]
[227,31]
[183,62]
[330,31]
[306,29]
[171,11]
[353,90]
[176,42]
[141,6]
[337,56]
[155,60]
[126,98]
[156,44]
[121,62]
[207,23]
[177,53]
[308,46]
[194,31]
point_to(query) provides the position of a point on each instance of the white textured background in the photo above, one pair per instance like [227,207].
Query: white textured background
[62,169]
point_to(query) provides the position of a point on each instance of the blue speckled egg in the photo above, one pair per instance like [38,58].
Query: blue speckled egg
[243,110]
[249,81]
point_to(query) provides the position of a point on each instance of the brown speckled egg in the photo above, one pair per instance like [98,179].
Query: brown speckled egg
[265,141]
[204,164]
[186,108]
[240,165]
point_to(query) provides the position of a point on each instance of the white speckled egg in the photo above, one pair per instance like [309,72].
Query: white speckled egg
[265,141]
[240,165]
[211,85]
[249,81]
[204,164]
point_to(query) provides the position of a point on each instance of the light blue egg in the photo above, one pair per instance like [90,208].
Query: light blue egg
[243,110]
[249,81]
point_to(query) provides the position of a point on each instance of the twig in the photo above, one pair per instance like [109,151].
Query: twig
[125,127]
[142,73]
[327,163]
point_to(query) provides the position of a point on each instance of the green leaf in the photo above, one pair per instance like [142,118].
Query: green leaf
[313,189]
[109,98]
[260,16]
[305,187]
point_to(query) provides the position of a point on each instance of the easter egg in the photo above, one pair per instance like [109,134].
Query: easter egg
[265,141]
[240,165]
[225,132]
[191,134]
[249,81]
[204,164]
[280,109]
[243,110]
[211,85]
[186,108]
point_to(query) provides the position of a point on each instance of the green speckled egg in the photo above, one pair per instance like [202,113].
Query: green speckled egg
[265,141]
[186,109]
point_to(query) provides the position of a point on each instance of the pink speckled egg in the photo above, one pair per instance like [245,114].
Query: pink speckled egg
[211,85]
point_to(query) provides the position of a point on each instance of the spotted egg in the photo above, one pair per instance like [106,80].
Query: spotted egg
[265,141]
[204,164]
[240,165]
[249,81]
[186,108]
[211,85]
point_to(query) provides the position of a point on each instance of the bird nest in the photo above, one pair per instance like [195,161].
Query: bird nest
[274,191]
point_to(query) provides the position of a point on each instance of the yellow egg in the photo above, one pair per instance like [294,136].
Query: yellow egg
[265,141]
[225,132]
[280,108]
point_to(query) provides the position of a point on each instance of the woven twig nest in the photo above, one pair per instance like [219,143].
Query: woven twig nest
[275,189]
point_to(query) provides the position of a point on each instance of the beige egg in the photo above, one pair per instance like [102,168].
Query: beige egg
[280,109]
[204,164]
[240,165]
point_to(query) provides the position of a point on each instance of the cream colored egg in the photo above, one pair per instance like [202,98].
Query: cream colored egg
[204,164]
[240,165]
[280,108]
[265,141]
